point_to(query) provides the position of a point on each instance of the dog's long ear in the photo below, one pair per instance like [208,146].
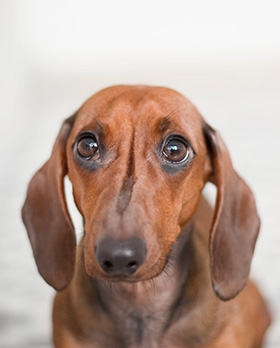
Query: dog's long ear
[46,217]
[235,224]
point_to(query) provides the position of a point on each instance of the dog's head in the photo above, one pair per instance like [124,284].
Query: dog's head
[138,159]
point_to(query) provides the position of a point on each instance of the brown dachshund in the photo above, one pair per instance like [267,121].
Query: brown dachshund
[156,266]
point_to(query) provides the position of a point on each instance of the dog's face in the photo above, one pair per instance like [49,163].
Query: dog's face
[138,158]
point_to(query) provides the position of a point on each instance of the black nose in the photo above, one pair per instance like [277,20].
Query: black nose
[120,257]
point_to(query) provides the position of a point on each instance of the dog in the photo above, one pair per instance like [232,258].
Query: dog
[156,266]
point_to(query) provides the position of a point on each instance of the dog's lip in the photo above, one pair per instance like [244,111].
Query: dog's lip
[120,278]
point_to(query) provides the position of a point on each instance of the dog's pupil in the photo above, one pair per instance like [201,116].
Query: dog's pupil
[175,150]
[87,147]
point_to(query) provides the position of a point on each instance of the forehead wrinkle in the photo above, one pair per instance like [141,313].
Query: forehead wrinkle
[166,121]
[95,125]
[98,122]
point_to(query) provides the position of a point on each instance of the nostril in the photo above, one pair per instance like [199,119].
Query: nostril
[132,264]
[108,264]
[132,267]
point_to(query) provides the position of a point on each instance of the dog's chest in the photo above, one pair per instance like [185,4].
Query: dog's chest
[142,327]
[141,315]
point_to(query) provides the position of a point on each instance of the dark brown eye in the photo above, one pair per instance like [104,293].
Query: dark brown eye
[88,148]
[175,150]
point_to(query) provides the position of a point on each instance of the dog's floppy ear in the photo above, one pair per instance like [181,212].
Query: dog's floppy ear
[46,217]
[235,224]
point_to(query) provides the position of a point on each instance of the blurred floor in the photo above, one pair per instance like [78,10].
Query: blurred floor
[242,101]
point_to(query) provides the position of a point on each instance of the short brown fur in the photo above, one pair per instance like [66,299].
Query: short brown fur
[192,290]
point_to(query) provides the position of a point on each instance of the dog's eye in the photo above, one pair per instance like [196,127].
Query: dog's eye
[176,151]
[87,148]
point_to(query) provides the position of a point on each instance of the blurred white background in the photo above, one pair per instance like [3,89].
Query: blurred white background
[225,56]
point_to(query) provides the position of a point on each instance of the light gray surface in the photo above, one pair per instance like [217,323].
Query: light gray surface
[53,55]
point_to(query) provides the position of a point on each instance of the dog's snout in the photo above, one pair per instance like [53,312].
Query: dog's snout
[120,257]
